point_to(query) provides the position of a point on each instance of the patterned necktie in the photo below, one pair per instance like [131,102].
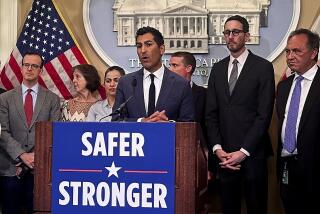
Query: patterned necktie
[291,125]
[233,76]
[152,96]
[28,106]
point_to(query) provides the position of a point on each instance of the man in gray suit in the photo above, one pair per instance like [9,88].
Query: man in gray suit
[20,108]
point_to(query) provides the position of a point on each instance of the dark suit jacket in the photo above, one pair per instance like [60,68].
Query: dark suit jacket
[199,95]
[242,119]
[308,138]
[175,97]
[16,137]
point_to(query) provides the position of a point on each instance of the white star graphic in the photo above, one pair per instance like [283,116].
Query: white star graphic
[113,170]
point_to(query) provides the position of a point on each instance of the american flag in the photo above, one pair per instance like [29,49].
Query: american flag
[286,73]
[45,32]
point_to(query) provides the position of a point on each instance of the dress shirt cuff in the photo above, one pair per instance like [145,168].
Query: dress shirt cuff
[18,159]
[217,146]
[140,119]
[245,152]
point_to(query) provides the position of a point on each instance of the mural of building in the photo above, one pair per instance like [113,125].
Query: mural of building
[190,25]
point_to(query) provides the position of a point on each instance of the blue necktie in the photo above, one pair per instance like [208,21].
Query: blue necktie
[290,132]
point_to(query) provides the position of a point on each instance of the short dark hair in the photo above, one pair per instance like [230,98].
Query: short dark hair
[242,20]
[188,59]
[90,74]
[313,39]
[28,53]
[158,38]
[117,68]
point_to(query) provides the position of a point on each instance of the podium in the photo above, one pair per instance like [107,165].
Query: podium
[191,169]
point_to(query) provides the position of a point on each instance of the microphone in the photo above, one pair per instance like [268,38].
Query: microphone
[119,110]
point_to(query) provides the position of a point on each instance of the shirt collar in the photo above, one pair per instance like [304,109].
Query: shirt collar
[34,88]
[242,58]
[106,103]
[158,73]
[309,74]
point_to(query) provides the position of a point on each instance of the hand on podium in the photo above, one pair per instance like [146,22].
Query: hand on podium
[156,117]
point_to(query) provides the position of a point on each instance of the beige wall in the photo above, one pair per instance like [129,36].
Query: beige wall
[72,12]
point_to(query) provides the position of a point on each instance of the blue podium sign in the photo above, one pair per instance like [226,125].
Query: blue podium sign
[113,168]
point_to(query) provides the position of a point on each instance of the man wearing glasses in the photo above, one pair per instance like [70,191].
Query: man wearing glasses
[298,110]
[20,108]
[239,107]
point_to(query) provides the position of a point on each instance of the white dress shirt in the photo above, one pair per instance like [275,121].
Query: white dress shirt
[147,82]
[34,93]
[241,60]
[305,87]
[99,111]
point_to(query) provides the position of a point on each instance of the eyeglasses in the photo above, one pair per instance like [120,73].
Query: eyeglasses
[234,32]
[295,52]
[33,66]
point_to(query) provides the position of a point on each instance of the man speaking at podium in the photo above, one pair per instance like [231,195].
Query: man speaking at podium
[153,93]
[20,108]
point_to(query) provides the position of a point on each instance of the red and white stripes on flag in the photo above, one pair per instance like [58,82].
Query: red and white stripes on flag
[45,32]
[56,75]
[286,74]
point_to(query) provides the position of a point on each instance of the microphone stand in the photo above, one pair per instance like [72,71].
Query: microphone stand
[118,111]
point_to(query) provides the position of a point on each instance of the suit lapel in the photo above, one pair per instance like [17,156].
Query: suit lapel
[18,97]
[139,95]
[225,76]
[166,86]
[195,93]
[39,103]
[311,97]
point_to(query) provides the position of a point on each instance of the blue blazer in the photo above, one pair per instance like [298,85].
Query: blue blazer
[175,97]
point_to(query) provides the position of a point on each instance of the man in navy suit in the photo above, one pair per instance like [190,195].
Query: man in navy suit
[157,94]
[298,110]
[184,64]
[240,100]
